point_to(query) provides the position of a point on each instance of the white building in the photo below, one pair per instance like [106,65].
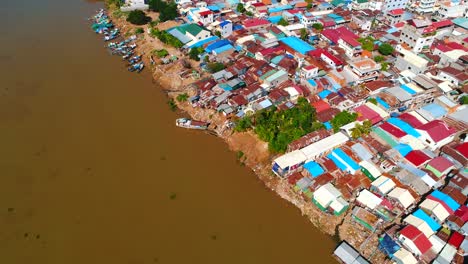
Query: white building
[130,5]
[389,5]
[417,34]
[408,60]
[451,10]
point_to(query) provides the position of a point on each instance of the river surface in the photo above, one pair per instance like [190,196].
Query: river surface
[93,170]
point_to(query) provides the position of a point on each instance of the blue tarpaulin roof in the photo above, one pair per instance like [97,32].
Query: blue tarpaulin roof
[203,42]
[388,245]
[312,82]
[313,168]
[338,163]
[279,8]
[213,8]
[327,125]
[412,169]
[297,44]
[323,94]
[423,216]
[447,199]
[382,102]
[274,19]
[343,161]
[436,110]
[217,44]
[407,89]
[404,126]
[223,49]
[403,149]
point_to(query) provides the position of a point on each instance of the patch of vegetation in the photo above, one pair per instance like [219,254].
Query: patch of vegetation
[194,53]
[464,99]
[139,31]
[166,38]
[240,8]
[283,22]
[239,155]
[138,17]
[360,130]
[317,26]
[154,23]
[304,34]
[173,196]
[167,11]
[279,128]
[172,105]
[385,49]
[182,97]
[215,67]
[116,3]
[248,13]
[384,66]
[161,53]
[372,100]
[341,119]
[367,43]
[379,58]
[118,13]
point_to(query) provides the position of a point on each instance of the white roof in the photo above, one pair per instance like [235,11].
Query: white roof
[295,27]
[371,168]
[378,110]
[338,204]
[419,224]
[447,254]
[408,73]
[437,244]
[403,196]
[326,194]
[384,184]
[244,39]
[418,116]
[324,145]
[292,91]
[440,212]
[405,257]
[428,180]
[291,159]
[413,142]
[428,204]
[414,87]
[414,58]
[368,199]
[445,86]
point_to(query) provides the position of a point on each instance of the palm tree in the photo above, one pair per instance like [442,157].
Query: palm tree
[356,131]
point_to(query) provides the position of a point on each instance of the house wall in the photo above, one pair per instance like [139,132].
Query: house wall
[403,64]
[414,39]
[389,5]
[408,243]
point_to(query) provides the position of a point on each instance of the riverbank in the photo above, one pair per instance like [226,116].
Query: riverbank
[253,152]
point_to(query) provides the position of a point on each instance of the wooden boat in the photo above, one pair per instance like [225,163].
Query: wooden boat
[191,124]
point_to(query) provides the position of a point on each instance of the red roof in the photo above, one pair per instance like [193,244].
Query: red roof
[397,12]
[240,100]
[318,53]
[320,106]
[443,23]
[396,132]
[417,157]
[463,149]
[456,239]
[440,163]
[309,67]
[366,113]
[437,130]
[399,24]
[255,22]
[462,212]
[258,4]
[205,13]
[351,41]
[410,119]
[418,238]
[270,50]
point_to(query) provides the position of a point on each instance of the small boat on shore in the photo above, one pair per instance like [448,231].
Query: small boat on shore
[191,124]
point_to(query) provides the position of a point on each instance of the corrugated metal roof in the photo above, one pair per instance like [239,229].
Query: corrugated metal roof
[369,199]
[346,253]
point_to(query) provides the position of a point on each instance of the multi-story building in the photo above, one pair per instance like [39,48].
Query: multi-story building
[425,6]
[417,35]
[394,16]
[362,70]
[408,60]
[389,5]
[451,10]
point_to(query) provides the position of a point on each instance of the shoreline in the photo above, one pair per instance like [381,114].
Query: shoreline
[255,153]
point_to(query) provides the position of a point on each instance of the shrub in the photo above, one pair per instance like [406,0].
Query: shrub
[215,66]
[161,53]
[379,58]
[283,22]
[139,31]
[317,26]
[385,49]
[138,17]
[182,97]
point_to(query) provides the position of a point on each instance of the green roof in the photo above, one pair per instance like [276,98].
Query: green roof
[193,29]
[337,2]
[362,1]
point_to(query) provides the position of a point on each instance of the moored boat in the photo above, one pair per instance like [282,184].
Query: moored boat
[192,124]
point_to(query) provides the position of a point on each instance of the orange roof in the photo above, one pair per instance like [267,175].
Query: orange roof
[366,54]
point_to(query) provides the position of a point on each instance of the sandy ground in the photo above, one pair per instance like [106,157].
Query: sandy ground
[255,152]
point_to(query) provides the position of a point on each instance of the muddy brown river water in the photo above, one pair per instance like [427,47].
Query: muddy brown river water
[93,169]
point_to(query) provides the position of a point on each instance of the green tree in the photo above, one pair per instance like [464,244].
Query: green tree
[217,33]
[372,100]
[182,97]
[195,52]
[379,58]
[248,13]
[309,6]
[169,12]
[215,66]
[156,5]
[138,17]
[304,34]
[283,22]
[367,43]
[464,99]
[139,31]
[240,8]
[317,26]
[243,124]
[366,127]
[384,66]
[385,49]
[341,119]
[356,131]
